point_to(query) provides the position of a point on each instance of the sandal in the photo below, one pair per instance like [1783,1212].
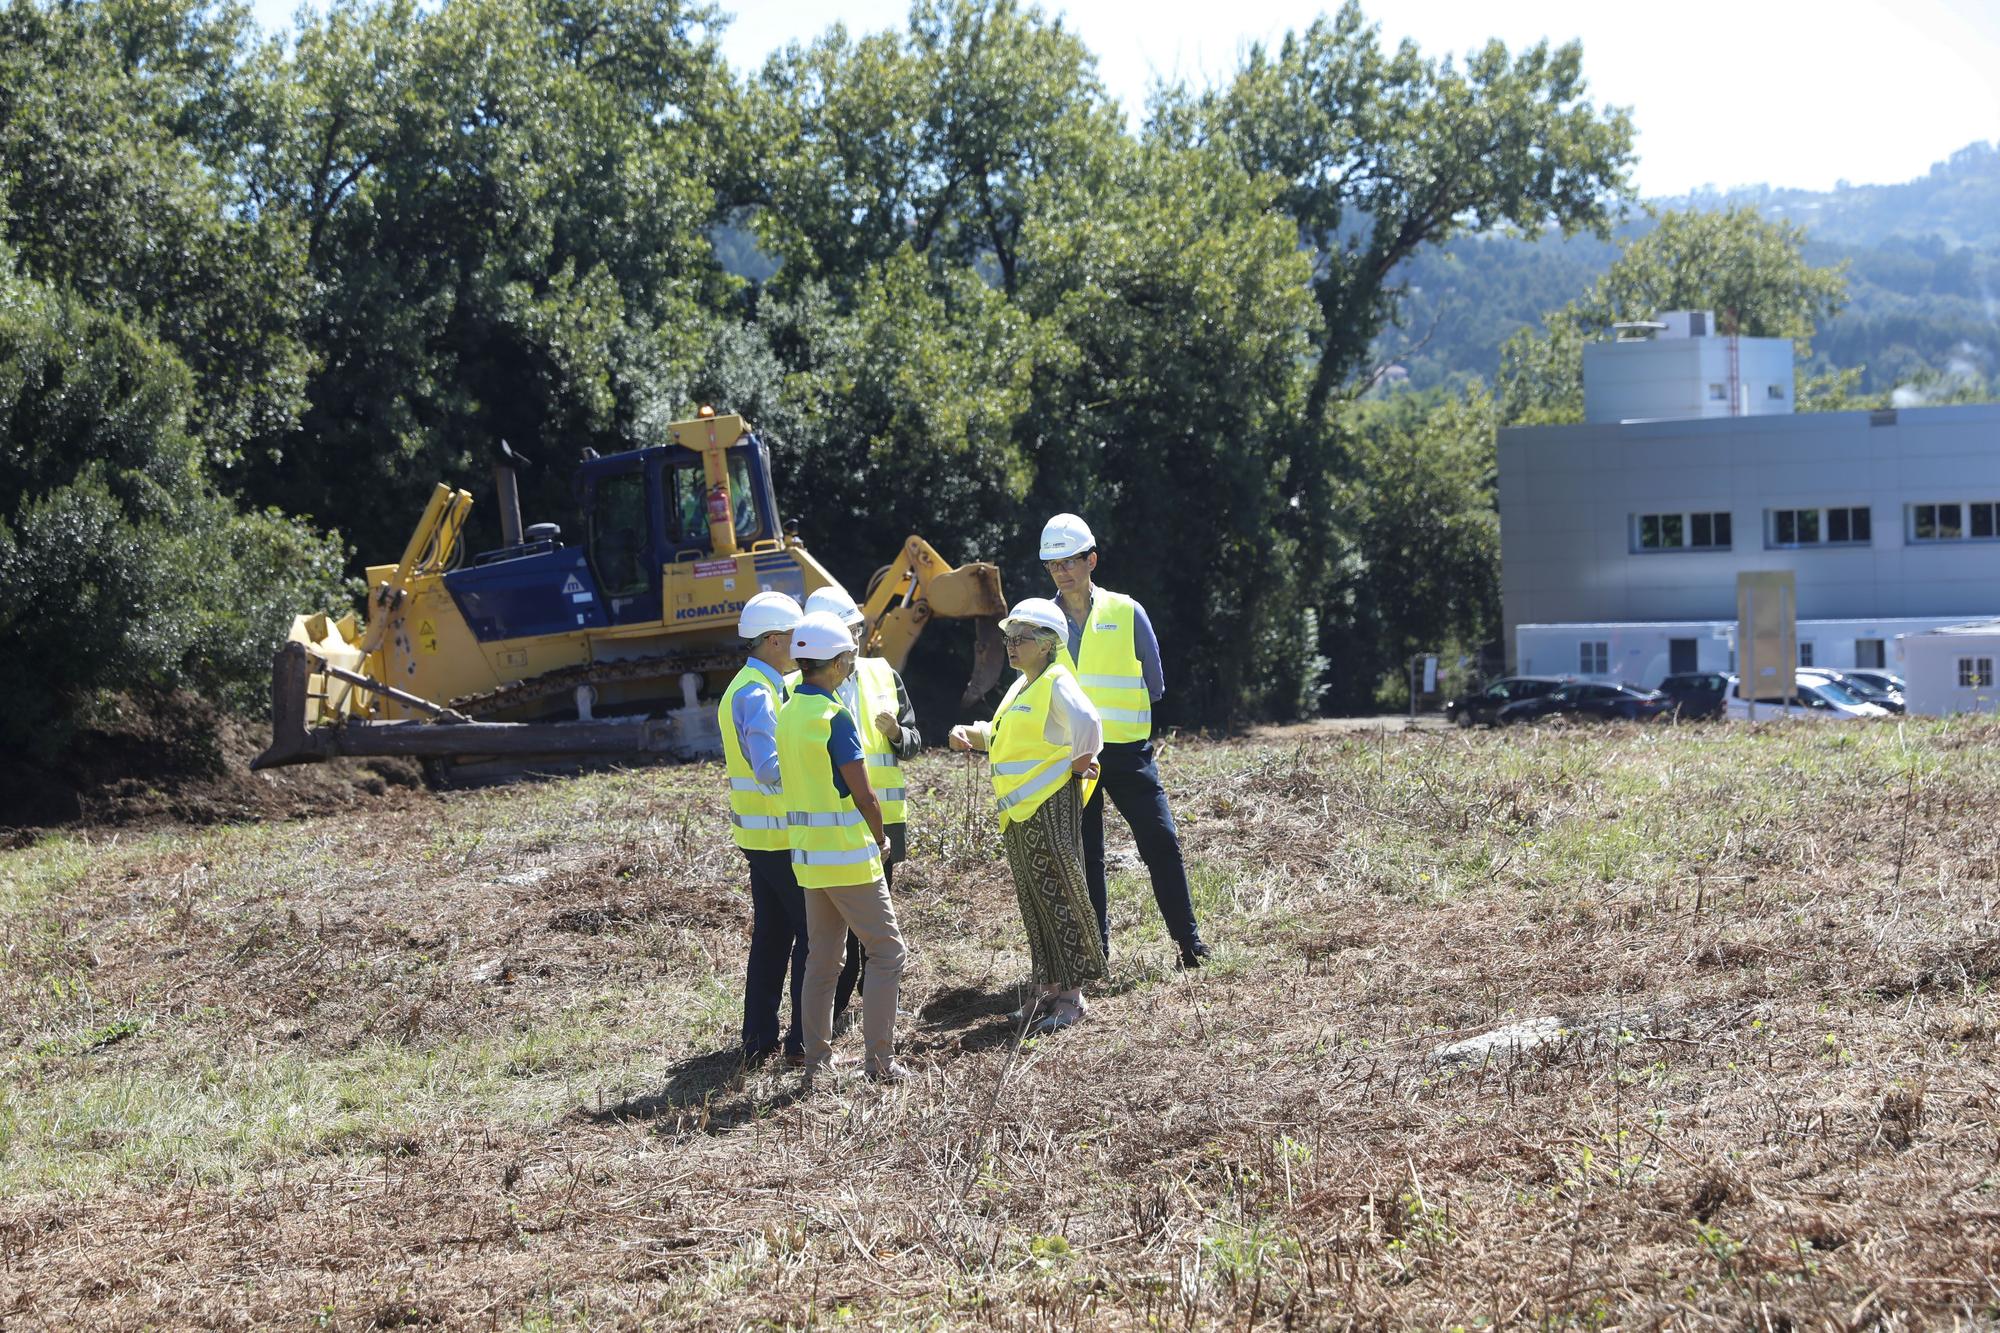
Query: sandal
[1065,1014]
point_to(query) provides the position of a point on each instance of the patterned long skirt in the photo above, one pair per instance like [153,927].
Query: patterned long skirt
[1045,852]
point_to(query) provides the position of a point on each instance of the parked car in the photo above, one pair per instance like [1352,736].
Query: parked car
[1591,699]
[1818,700]
[1890,700]
[1482,704]
[1881,680]
[1696,694]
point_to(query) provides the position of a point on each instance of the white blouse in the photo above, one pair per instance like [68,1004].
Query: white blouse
[1073,721]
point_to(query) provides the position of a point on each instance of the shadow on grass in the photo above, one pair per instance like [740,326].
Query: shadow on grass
[966,1019]
[704,1094]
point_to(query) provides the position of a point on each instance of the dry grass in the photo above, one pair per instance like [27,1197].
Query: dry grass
[467,1062]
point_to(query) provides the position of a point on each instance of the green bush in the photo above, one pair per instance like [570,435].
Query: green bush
[120,565]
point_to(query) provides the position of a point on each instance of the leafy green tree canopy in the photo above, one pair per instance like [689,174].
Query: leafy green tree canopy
[1380,153]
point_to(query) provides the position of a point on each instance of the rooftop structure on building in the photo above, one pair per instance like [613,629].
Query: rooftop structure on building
[1680,368]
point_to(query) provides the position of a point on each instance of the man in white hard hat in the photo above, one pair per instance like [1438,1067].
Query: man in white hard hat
[748,719]
[1116,658]
[834,825]
[875,695]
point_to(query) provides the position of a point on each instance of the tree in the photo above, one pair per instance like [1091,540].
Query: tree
[505,209]
[1423,528]
[120,566]
[1377,155]
[1752,273]
[943,138]
[127,135]
[1182,306]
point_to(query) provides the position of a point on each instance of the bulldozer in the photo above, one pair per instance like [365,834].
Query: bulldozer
[543,652]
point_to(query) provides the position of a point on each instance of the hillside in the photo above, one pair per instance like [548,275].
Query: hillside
[466,1060]
[1923,275]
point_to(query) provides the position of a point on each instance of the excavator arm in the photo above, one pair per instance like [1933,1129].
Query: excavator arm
[920,585]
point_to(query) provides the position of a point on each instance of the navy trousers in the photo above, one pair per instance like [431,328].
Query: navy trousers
[1127,774]
[777,941]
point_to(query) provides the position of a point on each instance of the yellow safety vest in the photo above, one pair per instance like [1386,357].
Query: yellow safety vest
[1026,769]
[756,812]
[830,842]
[1109,670]
[875,687]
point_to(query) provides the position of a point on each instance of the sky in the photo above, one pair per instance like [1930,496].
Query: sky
[1781,92]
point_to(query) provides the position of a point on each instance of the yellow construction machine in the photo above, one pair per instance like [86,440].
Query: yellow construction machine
[616,646]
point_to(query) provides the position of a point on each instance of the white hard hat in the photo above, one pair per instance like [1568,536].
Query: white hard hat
[1066,535]
[767,613]
[820,637]
[1037,613]
[834,599]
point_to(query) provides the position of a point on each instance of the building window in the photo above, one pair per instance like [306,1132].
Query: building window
[1868,654]
[1975,673]
[1949,522]
[1681,532]
[1805,652]
[1594,657]
[1777,391]
[1818,527]
[1717,393]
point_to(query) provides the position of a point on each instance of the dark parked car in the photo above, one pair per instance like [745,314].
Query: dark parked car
[1696,694]
[1482,704]
[1590,699]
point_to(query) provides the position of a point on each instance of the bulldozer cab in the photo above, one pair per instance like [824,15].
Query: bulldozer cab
[650,509]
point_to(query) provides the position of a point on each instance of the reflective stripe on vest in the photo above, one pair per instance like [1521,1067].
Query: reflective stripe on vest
[756,812]
[851,856]
[1109,668]
[830,842]
[839,819]
[1026,769]
[875,688]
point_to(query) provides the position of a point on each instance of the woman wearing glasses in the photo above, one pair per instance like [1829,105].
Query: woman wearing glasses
[1042,745]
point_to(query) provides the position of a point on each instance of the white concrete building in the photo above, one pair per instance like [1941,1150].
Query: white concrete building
[1890,520]
[1643,653]
[1950,670]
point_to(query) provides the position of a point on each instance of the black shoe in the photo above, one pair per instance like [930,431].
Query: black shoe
[1192,957]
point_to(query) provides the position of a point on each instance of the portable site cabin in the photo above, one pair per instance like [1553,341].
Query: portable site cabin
[1950,669]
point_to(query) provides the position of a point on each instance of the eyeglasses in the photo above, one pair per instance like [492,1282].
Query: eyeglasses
[1016,640]
[1067,563]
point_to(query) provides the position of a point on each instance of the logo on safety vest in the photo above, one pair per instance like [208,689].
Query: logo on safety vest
[1106,625]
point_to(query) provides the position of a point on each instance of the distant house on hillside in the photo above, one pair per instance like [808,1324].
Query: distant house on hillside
[1692,466]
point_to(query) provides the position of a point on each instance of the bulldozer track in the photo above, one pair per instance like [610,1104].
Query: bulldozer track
[564,681]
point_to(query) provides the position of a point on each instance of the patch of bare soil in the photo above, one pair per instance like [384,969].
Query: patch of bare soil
[150,760]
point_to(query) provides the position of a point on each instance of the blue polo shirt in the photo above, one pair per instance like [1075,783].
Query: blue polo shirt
[843,746]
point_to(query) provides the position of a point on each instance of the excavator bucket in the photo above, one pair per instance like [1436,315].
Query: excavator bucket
[920,584]
[989,660]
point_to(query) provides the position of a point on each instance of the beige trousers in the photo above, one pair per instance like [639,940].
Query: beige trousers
[830,913]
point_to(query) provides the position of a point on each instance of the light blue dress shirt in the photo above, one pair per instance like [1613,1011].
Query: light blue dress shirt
[754,714]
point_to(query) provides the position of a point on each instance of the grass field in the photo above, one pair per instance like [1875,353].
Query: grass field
[468,1060]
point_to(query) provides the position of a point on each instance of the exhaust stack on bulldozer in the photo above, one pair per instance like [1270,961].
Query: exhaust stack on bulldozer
[611,647]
